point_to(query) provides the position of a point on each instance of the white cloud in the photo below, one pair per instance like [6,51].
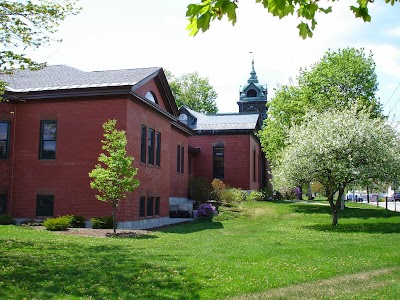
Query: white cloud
[394,32]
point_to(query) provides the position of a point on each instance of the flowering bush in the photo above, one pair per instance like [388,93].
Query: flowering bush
[206,210]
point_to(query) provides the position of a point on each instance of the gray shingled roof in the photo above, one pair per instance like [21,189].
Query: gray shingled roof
[64,77]
[234,121]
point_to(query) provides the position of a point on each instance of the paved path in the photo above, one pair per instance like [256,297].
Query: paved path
[391,205]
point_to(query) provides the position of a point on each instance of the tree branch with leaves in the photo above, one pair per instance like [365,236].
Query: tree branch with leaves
[338,148]
[200,15]
[115,175]
[28,24]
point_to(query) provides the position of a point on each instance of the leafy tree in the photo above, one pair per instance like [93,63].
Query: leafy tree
[194,92]
[341,79]
[28,24]
[338,148]
[201,14]
[114,177]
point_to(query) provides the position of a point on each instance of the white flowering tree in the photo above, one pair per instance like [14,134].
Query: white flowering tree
[337,148]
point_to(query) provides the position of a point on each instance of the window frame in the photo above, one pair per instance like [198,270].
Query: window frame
[254,166]
[143,144]
[7,140]
[158,149]
[150,146]
[42,140]
[39,209]
[217,169]
[180,159]
[142,207]
[150,207]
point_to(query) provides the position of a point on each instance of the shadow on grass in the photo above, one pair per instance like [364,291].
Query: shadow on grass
[348,212]
[193,226]
[378,227]
[59,270]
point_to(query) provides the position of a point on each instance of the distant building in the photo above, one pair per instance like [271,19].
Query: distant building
[253,96]
[51,131]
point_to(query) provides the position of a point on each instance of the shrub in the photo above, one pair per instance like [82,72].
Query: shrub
[7,220]
[57,224]
[255,196]
[77,221]
[289,194]
[268,194]
[219,187]
[233,195]
[102,222]
[206,210]
[200,189]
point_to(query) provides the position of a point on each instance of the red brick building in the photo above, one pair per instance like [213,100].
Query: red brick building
[50,138]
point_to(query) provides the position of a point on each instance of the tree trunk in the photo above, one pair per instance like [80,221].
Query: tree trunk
[114,206]
[334,216]
[300,193]
[309,192]
[334,207]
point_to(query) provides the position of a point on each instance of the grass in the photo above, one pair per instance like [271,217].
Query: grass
[275,250]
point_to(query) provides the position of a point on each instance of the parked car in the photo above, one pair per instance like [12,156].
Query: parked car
[357,198]
[396,196]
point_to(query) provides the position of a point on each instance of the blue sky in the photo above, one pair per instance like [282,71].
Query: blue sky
[151,33]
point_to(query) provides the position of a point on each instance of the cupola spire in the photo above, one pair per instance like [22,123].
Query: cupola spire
[253,76]
[253,95]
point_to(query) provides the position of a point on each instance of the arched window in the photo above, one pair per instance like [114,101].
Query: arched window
[150,96]
[251,93]
[183,118]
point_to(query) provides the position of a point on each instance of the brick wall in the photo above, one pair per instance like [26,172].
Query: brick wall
[179,180]
[79,132]
[238,151]
[79,135]
[7,111]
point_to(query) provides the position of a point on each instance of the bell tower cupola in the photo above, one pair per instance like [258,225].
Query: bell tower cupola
[253,96]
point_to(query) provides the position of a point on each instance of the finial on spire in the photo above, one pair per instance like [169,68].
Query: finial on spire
[253,75]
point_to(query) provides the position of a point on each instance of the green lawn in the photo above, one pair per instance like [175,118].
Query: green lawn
[275,251]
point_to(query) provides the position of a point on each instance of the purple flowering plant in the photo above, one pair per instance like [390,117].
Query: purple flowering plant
[206,210]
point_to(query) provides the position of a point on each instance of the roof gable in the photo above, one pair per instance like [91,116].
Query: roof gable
[61,81]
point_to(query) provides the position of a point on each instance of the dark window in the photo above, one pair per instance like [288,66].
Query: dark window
[143,144]
[48,135]
[150,208]
[142,207]
[158,148]
[45,205]
[157,206]
[3,204]
[178,159]
[251,93]
[182,160]
[190,165]
[254,165]
[218,163]
[150,146]
[4,139]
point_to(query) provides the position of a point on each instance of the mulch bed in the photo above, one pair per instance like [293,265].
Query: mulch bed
[102,233]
